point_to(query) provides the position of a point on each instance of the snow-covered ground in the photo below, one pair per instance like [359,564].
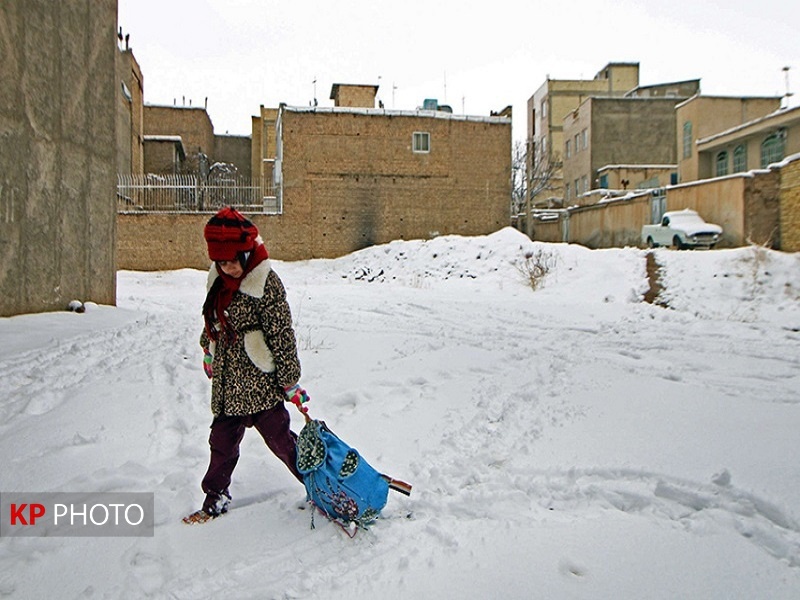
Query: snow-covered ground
[569,442]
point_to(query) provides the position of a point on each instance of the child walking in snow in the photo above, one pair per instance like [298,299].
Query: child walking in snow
[250,354]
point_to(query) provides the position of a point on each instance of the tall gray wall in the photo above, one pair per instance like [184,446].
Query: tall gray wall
[57,144]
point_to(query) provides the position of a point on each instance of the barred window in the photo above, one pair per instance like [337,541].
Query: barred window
[740,159]
[772,148]
[421,141]
[687,139]
[722,164]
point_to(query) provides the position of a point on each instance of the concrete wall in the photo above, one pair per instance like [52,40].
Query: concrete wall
[234,149]
[719,201]
[759,208]
[611,225]
[57,153]
[619,131]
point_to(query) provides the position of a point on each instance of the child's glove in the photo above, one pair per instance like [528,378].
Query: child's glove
[207,361]
[296,395]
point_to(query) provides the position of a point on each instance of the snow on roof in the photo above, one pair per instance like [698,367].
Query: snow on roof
[163,138]
[379,112]
[175,106]
[637,166]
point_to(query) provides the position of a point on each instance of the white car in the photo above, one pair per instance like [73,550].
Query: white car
[681,229]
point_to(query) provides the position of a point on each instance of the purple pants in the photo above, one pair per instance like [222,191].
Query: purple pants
[226,435]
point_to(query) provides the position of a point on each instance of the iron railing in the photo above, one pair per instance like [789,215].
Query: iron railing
[189,193]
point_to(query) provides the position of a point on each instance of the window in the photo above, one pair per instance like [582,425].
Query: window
[567,148]
[577,142]
[566,192]
[722,164]
[421,141]
[772,148]
[687,139]
[584,141]
[740,159]
[577,187]
[604,182]
[585,183]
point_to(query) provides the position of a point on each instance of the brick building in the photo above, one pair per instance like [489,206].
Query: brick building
[130,114]
[351,176]
[556,98]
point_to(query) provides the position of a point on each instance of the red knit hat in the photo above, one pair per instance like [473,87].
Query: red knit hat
[228,233]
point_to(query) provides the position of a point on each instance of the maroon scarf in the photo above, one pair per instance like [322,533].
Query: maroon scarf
[221,293]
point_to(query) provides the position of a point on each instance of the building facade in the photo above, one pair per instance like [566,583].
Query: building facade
[130,114]
[700,117]
[752,145]
[552,102]
[350,178]
[606,131]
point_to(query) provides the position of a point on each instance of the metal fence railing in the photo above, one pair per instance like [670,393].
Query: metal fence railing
[189,193]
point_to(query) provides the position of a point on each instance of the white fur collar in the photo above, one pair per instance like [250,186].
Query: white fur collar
[252,284]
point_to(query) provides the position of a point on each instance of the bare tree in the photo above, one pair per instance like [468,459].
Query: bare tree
[519,180]
[543,168]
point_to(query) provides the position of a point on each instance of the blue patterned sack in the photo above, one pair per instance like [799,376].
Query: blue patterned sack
[338,480]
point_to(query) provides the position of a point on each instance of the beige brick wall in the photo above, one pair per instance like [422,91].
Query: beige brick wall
[790,207]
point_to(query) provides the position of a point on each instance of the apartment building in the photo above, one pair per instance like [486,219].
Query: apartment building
[701,117]
[752,145]
[553,101]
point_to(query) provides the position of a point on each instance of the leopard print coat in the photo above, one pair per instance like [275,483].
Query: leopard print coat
[251,372]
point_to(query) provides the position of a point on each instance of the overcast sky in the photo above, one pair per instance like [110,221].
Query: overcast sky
[476,57]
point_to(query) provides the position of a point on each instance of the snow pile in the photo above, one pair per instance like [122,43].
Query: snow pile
[572,442]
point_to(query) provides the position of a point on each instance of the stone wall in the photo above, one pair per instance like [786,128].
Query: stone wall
[57,153]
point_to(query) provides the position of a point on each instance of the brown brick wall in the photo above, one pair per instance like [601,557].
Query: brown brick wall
[192,124]
[762,206]
[162,242]
[351,179]
[790,207]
